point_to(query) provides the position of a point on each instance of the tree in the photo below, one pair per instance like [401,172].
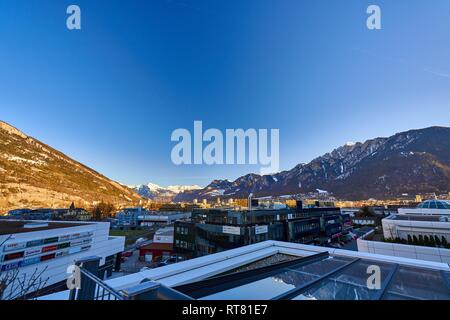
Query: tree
[432,242]
[437,241]
[102,210]
[444,242]
[366,212]
[410,240]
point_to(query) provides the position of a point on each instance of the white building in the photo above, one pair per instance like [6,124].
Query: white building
[162,218]
[428,207]
[350,211]
[404,225]
[164,235]
[51,247]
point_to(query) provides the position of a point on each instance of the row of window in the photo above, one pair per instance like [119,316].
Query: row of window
[184,244]
[300,228]
[182,230]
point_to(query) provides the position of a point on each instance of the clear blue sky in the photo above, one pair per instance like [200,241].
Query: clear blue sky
[111,94]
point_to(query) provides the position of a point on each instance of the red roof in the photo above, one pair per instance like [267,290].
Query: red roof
[158,246]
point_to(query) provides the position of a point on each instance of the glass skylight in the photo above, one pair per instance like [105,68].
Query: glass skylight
[434,204]
[415,283]
[337,278]
[264,289]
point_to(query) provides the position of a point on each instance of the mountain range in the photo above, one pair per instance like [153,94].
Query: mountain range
[33,174]
[153,191]
[412,162]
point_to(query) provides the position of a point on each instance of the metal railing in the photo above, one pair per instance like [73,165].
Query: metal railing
[93,288]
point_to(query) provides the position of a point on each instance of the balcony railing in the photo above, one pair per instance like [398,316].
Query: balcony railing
[93,288]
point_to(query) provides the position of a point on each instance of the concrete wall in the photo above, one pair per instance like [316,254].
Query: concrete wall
[405,251]
[402,228]
[424,211]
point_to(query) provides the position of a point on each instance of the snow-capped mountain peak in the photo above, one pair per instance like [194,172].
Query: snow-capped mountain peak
[154,187]
[178,189]
[153,191]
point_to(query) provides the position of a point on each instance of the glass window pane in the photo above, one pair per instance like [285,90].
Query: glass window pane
[264,289]
[359,272]
[392,296]
[322,267]
[330,289]
[420,284]
[349,283]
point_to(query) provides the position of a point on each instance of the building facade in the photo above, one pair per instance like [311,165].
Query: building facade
[70,214]
[48,248]
[215,230]
[429,208]
[417,226]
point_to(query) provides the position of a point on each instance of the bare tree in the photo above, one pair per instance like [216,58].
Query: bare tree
[15,285]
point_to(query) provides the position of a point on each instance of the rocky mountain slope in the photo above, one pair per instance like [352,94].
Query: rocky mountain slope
[33,174]
[416,161]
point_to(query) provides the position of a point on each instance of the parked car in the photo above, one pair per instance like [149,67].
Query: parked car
[127,254]
[162,264]
[172,259]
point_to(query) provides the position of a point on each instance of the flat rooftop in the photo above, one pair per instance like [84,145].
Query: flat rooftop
[409,217]
[158,246]
[17,226]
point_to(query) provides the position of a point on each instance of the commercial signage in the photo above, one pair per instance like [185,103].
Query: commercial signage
[63,245]
[74,250]
[51,240]
[34,243]
[14,246]
[49,248]
[64,238]
[76,243]
[27,255]
[261,229]
[48,257]
[30,261]
[32,252]
[11,266]
[13,256]
[231,230]
[62,253]
[81,235]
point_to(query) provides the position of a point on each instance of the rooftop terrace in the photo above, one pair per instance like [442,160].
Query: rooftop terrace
[18,226]
[315,273]
[410,217]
